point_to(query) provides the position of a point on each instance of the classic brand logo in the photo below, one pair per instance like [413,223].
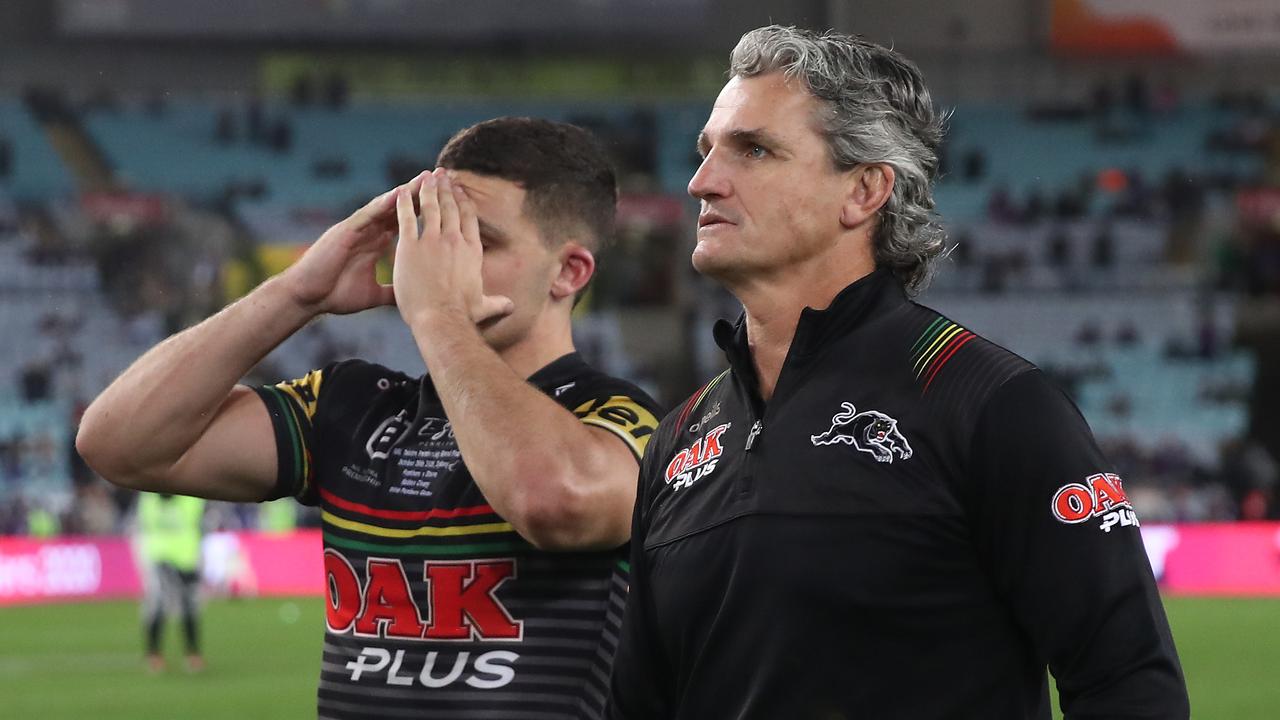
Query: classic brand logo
[696,461]
[869,431]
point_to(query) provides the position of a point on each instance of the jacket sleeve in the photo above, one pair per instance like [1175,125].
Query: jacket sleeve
[638,685]
[1062,546]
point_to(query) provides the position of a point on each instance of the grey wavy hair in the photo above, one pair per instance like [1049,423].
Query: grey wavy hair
[875,108]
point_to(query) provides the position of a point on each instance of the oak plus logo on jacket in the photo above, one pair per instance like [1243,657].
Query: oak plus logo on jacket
[869,431]
[696,461]
[1100,496]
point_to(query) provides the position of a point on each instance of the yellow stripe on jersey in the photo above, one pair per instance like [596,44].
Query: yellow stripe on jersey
[623,417]
[935,346]
[481,529]
[305,390]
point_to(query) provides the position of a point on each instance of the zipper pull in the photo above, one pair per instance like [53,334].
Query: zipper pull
[755,430]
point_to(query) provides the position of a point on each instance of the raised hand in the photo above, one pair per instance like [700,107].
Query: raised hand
[438,267]
[337,273]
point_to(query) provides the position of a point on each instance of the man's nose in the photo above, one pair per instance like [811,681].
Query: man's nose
[709,181]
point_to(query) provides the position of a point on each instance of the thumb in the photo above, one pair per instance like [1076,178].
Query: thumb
[493,307]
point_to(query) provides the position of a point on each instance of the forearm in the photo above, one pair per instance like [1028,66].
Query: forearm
[536,463]
[159,407]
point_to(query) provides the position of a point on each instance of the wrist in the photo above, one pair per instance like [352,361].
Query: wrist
[441,320]
[280,295]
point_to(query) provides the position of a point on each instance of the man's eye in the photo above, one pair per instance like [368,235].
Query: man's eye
[756,152]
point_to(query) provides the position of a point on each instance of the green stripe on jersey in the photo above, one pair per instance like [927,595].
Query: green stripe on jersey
[295,433]
[441,550]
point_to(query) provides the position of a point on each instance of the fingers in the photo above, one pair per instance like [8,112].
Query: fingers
[448,203]
[467,217]
[492,307]
[375,210]
[404,213]
[429,205]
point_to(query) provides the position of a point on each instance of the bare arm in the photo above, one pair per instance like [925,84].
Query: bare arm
[563,485]
[560,483]
[176,421]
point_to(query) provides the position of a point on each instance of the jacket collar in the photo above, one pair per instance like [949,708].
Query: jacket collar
[866,299]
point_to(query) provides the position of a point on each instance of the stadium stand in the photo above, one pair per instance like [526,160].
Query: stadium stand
[1098,242]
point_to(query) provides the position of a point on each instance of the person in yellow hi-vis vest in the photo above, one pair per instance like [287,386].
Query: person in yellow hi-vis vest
[169,533]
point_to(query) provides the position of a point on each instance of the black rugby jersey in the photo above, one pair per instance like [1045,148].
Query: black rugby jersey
[436,606]
[914,526]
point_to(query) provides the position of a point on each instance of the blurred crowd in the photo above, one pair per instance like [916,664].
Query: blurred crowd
[153,279]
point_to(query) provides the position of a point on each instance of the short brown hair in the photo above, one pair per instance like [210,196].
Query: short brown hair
[569,183]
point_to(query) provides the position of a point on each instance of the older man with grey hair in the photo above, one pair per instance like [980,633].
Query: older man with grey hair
[874,512]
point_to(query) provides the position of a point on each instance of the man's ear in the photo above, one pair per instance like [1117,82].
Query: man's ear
[577,265]
[869,186]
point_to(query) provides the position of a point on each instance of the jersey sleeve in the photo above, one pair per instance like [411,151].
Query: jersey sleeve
[295,408]
[1062,545]
[637,685]
[622,409]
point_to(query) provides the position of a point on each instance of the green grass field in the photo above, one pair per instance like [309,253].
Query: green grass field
[77,662]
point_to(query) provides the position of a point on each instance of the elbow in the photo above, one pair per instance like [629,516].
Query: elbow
[92,446]
[559,518]
[95,447]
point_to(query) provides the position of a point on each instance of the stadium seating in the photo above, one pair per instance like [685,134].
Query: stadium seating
[37,173]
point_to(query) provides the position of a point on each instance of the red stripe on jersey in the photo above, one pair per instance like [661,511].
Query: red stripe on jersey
[434,513]
[956,345]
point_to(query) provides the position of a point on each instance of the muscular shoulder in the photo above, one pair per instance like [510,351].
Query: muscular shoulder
[609,402]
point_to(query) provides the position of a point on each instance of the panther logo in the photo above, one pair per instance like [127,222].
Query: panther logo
[870,431]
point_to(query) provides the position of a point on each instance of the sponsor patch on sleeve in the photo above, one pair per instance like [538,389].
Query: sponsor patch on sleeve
[305,391]
[1100,496]
[622,416]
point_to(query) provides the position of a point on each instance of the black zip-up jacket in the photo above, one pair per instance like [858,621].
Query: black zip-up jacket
[914,526]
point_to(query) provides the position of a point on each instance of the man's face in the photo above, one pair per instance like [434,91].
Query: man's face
[517,263]
[771,196]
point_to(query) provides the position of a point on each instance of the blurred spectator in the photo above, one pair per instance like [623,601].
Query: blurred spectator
[1167,99]
[995,274]
[224,129]
[282,135]
[1252,474]
[169,532]
[1102,251]
[94,512]
[336,91]
[1127,334]
[1089,334]
[975,165]
[1102,101]
[1035,206]
[1069,205]
[1059,247]
[1208,343]
[41,522]
[1136,96]
[330,168]
[36,380]
[255,120]
[962,247]
[6,157]
[1001,207]
[303,91]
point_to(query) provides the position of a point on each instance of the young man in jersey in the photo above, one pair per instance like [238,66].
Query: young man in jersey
[473,518]
[873,513]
